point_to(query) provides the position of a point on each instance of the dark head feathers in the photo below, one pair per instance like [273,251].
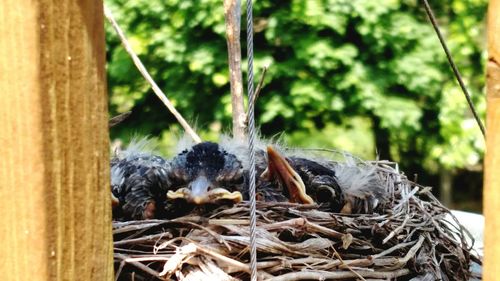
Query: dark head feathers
[206,159]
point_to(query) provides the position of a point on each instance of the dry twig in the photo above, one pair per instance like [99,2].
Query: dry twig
[257,90]
[142,69]
[119,118]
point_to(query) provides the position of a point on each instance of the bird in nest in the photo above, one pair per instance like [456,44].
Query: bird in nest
[205,175]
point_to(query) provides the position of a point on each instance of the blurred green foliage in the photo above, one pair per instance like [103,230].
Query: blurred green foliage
[366,76]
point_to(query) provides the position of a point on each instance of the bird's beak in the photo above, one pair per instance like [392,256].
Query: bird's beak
[198,193]
[278,167]
[114,201]
[199,188]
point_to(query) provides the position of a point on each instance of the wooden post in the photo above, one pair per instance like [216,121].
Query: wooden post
[232,12]
[492,159]
[55,217]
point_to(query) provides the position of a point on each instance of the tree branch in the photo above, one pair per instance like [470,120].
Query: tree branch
[232,13]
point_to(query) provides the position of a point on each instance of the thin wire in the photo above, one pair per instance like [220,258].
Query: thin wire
[251,147]
[432,18]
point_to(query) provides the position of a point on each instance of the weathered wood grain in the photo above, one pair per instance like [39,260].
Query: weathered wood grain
[492,159]
[54,172]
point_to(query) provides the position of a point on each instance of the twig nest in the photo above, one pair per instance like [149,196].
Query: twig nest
[412,237]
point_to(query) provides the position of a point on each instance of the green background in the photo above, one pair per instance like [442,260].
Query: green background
[365,76]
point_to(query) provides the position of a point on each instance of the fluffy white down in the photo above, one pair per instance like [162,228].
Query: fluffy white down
[357,180]
[138,146]
[240,149]
[116,176]
[185,142]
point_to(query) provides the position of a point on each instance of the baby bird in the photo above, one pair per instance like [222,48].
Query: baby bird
[145,185]
[341,187]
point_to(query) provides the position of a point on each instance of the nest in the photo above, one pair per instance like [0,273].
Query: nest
[413,237]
